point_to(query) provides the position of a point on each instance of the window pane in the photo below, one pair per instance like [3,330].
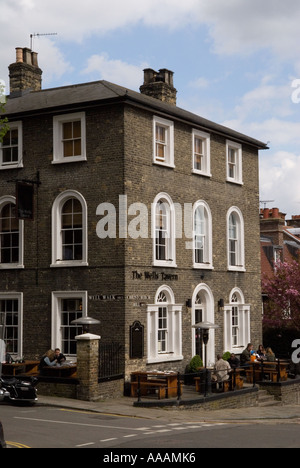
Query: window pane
[67,131]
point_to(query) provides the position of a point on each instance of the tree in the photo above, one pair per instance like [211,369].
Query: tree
[3,121]
[283,290]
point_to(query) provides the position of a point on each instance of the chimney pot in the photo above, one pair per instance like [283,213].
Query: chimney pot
[19,54]
[159,85]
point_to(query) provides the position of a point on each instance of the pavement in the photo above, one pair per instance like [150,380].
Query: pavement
[124,407]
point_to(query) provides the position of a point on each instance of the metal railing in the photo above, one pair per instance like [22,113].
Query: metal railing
[253,374]
[111,362]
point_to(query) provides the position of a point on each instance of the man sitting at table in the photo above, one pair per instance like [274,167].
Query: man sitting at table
[222,369]
[60,358]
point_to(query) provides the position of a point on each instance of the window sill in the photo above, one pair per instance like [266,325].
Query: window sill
[11,266]
[165,358]
[70,159]
[237,268]
[164,264]
[201,173]
[165,164]
[70,264]
[6,167]
[203,266]
[233,181]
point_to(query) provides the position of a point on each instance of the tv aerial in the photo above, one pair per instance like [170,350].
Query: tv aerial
[39,35]
[266,201]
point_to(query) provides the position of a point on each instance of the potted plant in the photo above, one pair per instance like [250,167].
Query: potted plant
[195,365]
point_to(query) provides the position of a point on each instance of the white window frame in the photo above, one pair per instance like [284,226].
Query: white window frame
[57,296]
[240,240]
[57,229]
[237,177]
[171,231]
[205,163]
[174,328]
[168,125]
[19,297]
[208,315]
[58,121]
[207,251]
[244,322]
[4,166]
[20,264]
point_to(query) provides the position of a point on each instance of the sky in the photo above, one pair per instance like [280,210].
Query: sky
[235,62]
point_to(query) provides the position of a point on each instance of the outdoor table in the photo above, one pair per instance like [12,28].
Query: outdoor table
[149,380]
[60,371]
[27,367]
[267,368]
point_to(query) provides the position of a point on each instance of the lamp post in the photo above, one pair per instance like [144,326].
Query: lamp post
[205,327]
[85,322]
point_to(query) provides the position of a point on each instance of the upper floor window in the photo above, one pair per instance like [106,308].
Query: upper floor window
[69,230]
[201,153]
[202,236]
[234,162]
[235,233]
[69,142]
[11,147]
[163,220]
[163,131]
[11,235]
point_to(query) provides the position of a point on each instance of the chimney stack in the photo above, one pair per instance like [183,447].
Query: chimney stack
[25,73]
[159,85]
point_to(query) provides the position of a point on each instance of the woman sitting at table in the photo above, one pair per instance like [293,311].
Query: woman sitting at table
[48,360]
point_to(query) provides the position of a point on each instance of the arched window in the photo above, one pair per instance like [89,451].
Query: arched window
[202,229]
[69,230]
[237,322]
[235,237]
[11,235]
[163,222]
[164,335]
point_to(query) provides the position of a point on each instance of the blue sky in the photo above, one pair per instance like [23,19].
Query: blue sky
[234,62]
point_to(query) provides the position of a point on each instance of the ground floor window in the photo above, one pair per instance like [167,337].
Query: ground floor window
[164,328]
[66,307]
[236,323]
[11,315]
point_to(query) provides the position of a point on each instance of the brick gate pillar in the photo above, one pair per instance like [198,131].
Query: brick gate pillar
[88,366]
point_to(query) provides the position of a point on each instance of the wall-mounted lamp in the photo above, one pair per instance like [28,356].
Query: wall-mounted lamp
[189,303]
[221,305]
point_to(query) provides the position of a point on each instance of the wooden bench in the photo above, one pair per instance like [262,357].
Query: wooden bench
[148,387]
[225,384]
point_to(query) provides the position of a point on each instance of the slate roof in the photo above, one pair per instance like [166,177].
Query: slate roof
[94,93]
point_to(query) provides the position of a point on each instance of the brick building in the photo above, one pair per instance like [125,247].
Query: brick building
[144,217]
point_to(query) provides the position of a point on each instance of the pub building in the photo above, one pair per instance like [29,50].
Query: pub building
[121,206]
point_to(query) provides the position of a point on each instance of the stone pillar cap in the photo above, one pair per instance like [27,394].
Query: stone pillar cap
[87,337]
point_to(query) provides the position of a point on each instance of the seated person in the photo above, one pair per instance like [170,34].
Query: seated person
[222,369]
[48,360]
[233,361]
[246,355]
[60,358]
[261,353]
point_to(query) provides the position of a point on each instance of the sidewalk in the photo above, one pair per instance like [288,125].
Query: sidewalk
[124,407]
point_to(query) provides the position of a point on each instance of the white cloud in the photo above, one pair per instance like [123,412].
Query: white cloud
[280,181]
[116,71]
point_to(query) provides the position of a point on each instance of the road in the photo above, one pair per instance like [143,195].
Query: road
[54,427]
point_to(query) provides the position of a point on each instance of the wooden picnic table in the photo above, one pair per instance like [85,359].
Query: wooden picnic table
[260,370]
[26,367]
[164,382]
[69,370]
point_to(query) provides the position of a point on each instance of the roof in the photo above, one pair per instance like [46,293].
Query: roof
[103,91]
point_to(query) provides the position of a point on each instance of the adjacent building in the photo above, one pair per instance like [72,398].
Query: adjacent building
[122,206]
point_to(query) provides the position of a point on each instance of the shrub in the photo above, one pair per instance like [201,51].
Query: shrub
[195,363]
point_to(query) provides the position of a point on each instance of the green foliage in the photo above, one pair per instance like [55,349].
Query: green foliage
[195,363]
[226,355]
